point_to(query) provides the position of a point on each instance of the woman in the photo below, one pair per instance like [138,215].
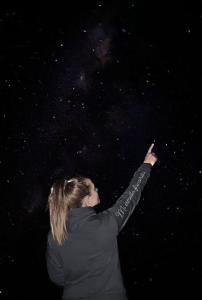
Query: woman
[82,253]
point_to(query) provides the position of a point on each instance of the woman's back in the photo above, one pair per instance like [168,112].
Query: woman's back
[89,258]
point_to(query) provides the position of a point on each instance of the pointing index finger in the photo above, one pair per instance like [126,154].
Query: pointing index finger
[150,148]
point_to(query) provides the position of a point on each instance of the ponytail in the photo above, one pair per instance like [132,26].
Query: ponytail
[65,194]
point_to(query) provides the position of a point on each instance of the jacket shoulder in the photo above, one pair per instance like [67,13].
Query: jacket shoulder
[108,220]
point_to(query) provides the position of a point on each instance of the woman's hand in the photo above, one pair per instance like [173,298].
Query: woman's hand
[150,157]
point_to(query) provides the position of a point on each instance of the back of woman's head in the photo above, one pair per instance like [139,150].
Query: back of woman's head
[65,194]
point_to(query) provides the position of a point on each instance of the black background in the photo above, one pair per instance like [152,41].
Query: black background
[86,89]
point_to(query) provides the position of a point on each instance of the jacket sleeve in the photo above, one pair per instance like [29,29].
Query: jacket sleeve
[54,265]
[126,203]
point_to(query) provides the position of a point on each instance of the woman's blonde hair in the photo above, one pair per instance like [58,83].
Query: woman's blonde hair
[65,194]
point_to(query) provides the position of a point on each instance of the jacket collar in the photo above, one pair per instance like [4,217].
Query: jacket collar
[77,215]
[81,211]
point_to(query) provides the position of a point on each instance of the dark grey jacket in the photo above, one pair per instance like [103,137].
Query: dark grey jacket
[87,264]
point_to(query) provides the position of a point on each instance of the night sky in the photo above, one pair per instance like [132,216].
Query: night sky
[85,89]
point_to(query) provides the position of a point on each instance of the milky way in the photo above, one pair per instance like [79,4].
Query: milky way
[86,90]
